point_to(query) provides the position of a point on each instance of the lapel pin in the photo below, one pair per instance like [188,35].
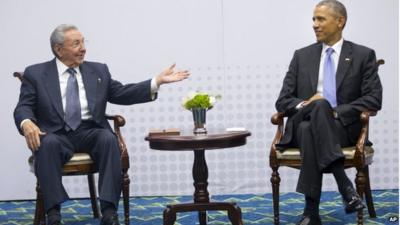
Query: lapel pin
[347,59]
[98,80]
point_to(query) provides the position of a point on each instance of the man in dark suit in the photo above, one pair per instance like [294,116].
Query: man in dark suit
[327,86]
[62,107]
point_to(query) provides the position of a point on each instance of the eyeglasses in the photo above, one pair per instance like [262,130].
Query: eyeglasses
[79,43]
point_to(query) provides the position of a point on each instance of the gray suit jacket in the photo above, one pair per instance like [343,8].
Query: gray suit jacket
[358,87]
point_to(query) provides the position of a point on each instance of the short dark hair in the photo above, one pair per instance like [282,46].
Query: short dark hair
[337,7]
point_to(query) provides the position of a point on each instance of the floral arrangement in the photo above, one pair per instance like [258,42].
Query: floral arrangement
[199,100]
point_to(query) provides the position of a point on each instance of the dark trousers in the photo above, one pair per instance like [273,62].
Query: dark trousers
[57,148]
[320,137]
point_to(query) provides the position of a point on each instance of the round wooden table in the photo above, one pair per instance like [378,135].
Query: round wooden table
[198,144]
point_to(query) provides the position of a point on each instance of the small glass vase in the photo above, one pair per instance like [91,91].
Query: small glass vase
[199,119]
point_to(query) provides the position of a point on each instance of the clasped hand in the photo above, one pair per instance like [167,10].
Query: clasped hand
[316,97]
[313,98]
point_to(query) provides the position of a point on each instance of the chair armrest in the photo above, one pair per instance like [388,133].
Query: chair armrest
[363,137]
[276,119]
[364,118]
[119,122]
[19,75]
[364,115]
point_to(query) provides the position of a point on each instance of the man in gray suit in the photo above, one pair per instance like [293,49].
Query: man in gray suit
[327,86]
[62,108]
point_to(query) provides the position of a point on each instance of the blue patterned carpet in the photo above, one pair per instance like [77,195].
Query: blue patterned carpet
[256,209]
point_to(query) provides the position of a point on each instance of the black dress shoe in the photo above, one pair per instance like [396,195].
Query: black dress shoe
[54,217]
[54,221]
[352,201]
[110,219]
[309,220]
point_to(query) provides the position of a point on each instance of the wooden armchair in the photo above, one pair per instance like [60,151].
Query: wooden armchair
[82,164]
[359,156]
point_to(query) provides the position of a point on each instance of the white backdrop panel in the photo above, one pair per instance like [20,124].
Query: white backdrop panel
[237,48]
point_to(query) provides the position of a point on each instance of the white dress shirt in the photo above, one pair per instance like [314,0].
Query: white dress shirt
[337,47]
[63,76]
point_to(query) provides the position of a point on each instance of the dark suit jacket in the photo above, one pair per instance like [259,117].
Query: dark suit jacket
[40,96]
[358,87]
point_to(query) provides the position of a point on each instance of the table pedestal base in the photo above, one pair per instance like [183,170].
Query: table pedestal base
[201,198]
[234,212]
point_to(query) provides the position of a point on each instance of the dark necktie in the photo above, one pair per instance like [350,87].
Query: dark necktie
[329,89]
[73,105]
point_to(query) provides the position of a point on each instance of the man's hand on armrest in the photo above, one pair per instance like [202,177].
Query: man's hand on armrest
[32,134]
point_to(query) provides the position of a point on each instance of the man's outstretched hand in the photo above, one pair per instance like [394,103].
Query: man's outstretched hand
[169,75]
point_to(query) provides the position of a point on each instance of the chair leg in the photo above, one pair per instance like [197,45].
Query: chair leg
[360,185]
[40,215]
[125,196]
[93,196]
[275,181]
[368,195]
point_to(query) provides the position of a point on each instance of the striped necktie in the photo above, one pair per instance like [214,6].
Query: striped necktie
[73,105]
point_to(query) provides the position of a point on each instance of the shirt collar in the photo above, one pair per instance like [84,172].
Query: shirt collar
[337,47]
[62,68]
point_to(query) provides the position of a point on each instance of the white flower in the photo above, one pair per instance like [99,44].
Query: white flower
[213,100]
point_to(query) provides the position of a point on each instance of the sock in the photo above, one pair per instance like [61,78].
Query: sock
[54,210]
[337,169]
[312,207]
[107,208]
[53,214]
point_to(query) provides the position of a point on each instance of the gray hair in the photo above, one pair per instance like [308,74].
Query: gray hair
[338,8]
[57,37]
